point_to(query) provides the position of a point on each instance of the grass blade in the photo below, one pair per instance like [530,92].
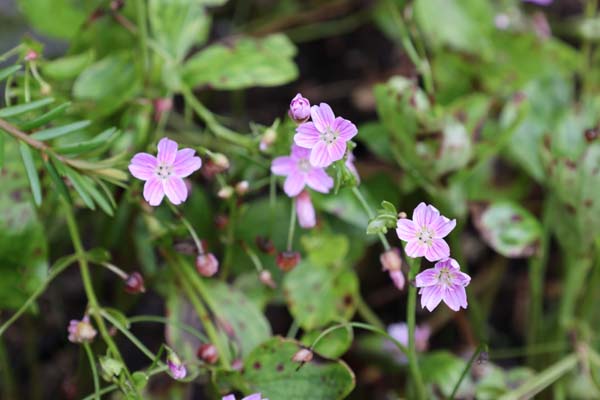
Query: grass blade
[23,108]
[79,186]
[32,175]
[45,118]
[58,131]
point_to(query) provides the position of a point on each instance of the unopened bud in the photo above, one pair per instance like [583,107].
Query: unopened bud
[116,5]
[398,278]
[242,187]
[81,331]
[305,210]
[402,215]
[591,134]
[162,106]
[237,364]
[207,264]
[303,356]
[31,55]
[267,279]
[299,109]
[221,161]
[287,260]
[134,283]
[265,245]
[225,192]
[176,366]
[390,260]
[208,353]
[267,139]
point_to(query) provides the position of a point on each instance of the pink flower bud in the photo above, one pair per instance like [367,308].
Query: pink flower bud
[237,364]
[31,55]
[299,109]
[267,279]
[267,139]
[207,264]
[176,366]
[134,283]
[242,187]
[303,356]
[390,260]
[265,245]
[305,211]
[208,353]
[225,192]
[162,106]
[398,278]
[81,331]
[287,260]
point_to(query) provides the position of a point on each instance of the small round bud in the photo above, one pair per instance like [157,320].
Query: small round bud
[287,260]
[299,109]
[221,161]
[31,55]
[303,356]
[207,264]
[237,364]
[266,278]
[265,245]
[225,192]
[134,283]
[208,353]
[267,139]
[116,5]
[402,215]
[242,187]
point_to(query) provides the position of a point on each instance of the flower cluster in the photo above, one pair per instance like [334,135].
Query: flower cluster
[424,236]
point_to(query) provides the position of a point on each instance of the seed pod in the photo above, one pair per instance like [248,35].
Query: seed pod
[134,283]
[287,260]
[208,353]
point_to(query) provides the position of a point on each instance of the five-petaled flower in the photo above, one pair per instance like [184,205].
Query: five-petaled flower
[254,396]
[425,232]
[300,172]
[81,331]
[164,173]
[326,135]
[444,282]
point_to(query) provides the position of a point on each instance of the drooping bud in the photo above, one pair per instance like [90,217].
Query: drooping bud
[81,331]
[208,353]
[176,366]
[299,109]
[398,278]
[221,161]
[207,264]
[267,139]
[134,283]
[242,187]
[266,278]
[303,356]
[391,262]
[306,212]
[265,245]
[287,260]
[225,192]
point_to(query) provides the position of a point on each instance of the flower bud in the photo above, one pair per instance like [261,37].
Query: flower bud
[31,55]
[207,264]
[398,278]
[306,212]
[303,356]
[402,215]
[242,187]
[267,139]
[221,161]
[237,364]
[265,245]
[390,260]
[134,283]
[287,260]
[267,279]
[176,366]
[225,192]
[81,331]
[299,109]
[162,106]
[208,353]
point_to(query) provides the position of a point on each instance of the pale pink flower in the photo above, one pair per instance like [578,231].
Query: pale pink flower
[300,172]
[425,232]
[299,108]
[326,135]
[443,282]
[539,2]
[392,263]
[176,366]
[81,331]
[164,173]
[399,331]
[255,396]
[306,212]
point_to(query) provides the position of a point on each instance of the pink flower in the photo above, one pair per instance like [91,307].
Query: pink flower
[443,282]
[425,233]
[299,108]
[81,331]
[300,172]
[305,211]
[255,396]
[164,173]
[176,366]
[539,2]
[391,262]
[326,135]
[399,332]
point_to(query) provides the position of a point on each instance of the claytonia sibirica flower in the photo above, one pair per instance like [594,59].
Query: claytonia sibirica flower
[299,108]
[300,172]
[164,173]
[539,2]
[255,396]
[176,366]
[425,232]
[399,332]
[81,331]
[443,282]
[306,212]
[326,135]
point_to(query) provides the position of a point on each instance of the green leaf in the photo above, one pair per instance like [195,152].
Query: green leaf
[8,71]
[319,295]
[57,18]
[32,174]
[98,197]
[247,63]
[443,370]
[509,229]
[89,145]
[269,369]
[325,248]
[53,133]
[45,118]
[2,148]
[334,345]
[68,67]
[23,108]
[58,181]
[80,187]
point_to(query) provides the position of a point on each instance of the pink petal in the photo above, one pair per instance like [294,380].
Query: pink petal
[415,248]
[398,278]
[175,190]
[294,184]
[406,230]
[319,156]
[419,214]
[143,166]
[317,179]
[307,135]
[229,397]
[429,277]
[455,297]
[460,278]
[399,332]
[186,163]
[336,150]
[307,217]
[255,396]
[299,153]
[322,116]
[346,129]
[153,191]
[167,151]
[431,297]
[283,166]
[442,226]
[438,250]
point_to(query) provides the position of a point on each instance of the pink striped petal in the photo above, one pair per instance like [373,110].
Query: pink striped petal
[175,190]
[283,166]
[322,116]
[186,163]
[345,128]
[406,229]
[429,277]
[317,179]
[415,248]
[431,297]
[167,151]
[153,191]
[419,214]
[336,150]
[455,297]
[143,165]
[438,250]
[299,153]
[294,183]
[307,135]
[442,226]
[319,156]
[307,217]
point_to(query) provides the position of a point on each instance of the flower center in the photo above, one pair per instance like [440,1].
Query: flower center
[164,171]
[329,136]
[425,236]
[445,277]
[304,165]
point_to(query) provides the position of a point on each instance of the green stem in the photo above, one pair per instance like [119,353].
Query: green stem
[143,32]
[112,388]
[367,314]
[230,238]
[371,214]
[8,380]
[92,361]
[576,272]
[292,226]
[476,353]
[10,52]
[293,331]
[189,227]
[130,336]
[411,308]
